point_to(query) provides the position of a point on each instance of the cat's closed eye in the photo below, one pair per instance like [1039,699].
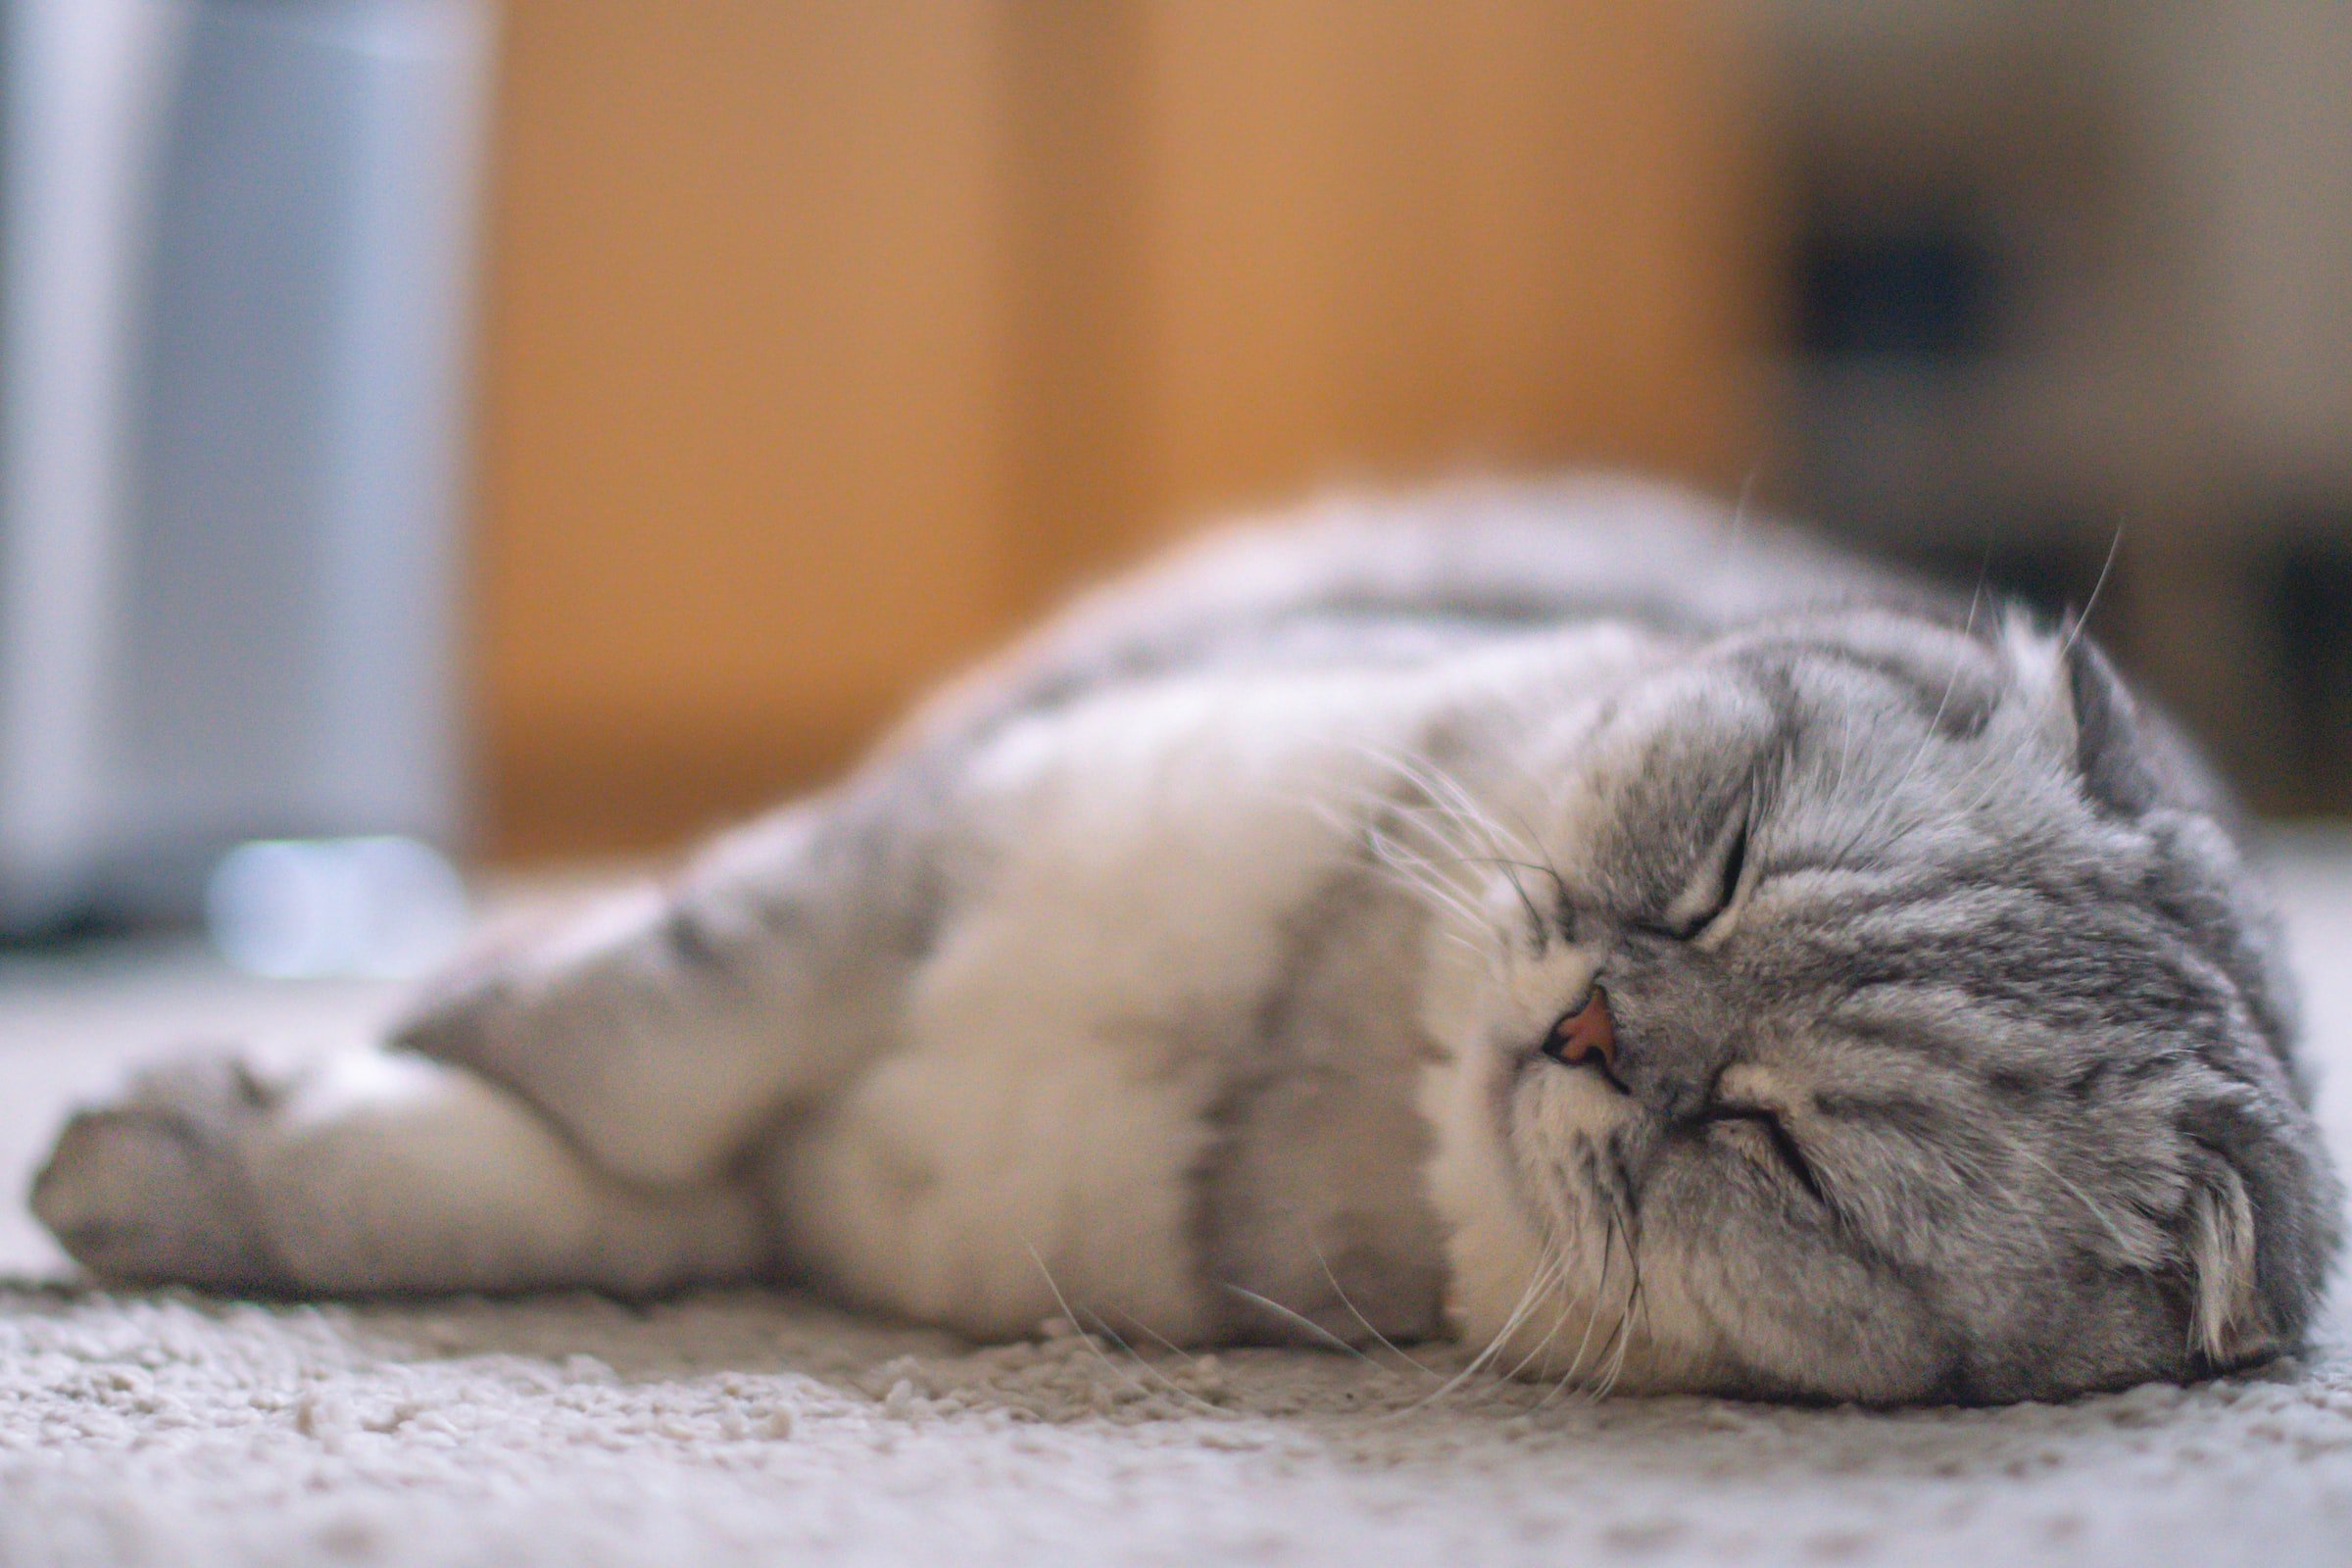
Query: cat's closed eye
[1712,891]
[1762,1134]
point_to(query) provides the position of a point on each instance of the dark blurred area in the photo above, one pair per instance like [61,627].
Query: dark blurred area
[2070,282]
[544,430]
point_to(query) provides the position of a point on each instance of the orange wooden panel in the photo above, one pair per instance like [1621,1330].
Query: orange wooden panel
[827,339]
[742,462]
[1386,236]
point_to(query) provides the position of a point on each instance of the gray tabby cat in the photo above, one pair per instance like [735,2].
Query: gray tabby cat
[1670,956]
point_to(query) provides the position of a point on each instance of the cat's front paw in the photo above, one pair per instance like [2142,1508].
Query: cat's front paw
[149,1189]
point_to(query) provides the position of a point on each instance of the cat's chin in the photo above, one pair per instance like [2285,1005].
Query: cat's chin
[1587,1334]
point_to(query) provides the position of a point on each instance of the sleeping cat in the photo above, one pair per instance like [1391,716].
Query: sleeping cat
[1665,953]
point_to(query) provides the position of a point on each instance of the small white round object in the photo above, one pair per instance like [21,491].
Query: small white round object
[378,907]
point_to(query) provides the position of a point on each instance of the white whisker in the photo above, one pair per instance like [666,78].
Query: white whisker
[1341,1292]
[1070,1313]
[1317,1330]
[1547,1270]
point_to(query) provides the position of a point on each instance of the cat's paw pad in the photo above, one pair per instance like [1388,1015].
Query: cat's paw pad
[148,1189]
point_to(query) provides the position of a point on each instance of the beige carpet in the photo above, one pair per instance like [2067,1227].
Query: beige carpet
[750,1429]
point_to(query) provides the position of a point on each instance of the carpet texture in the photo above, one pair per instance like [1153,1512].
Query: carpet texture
[746,1428]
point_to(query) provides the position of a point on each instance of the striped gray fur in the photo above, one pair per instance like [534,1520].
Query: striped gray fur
[1953,1053]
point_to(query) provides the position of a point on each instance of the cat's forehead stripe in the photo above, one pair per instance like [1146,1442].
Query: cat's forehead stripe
[1956,705]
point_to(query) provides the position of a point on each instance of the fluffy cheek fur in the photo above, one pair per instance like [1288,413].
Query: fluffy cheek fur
[1547,1281]
[1780,1314]
[1541,1281]
[1553,1277]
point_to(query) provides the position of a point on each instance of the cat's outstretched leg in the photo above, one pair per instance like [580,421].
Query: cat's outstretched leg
[369,1172]
[668,1028]
[566,1111]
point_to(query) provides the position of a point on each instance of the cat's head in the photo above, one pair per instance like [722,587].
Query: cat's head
[1861,1008]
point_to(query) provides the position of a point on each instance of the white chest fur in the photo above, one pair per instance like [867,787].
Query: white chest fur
[1030,1144]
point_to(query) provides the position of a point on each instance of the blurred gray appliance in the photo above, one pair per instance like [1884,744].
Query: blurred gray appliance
[235,242]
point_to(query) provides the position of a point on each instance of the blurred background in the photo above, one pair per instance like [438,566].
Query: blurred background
[540,431]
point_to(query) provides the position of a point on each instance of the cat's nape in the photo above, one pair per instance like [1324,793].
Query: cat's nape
[1208,969]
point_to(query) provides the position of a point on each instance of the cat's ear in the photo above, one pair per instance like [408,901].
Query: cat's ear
[2083,706]
[2108,748]
[2227,1326]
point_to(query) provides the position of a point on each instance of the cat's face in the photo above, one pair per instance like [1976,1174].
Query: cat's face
[1866,1016]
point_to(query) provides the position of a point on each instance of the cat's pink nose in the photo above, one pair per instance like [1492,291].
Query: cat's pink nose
[1586,1035]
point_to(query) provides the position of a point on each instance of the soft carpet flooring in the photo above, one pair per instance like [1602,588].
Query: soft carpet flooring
[744,1428]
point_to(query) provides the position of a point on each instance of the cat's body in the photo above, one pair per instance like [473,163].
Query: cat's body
[1202,969]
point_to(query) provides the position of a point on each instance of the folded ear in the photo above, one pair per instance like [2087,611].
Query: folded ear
[2081,704]
[2107,748]
[2227,1325]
